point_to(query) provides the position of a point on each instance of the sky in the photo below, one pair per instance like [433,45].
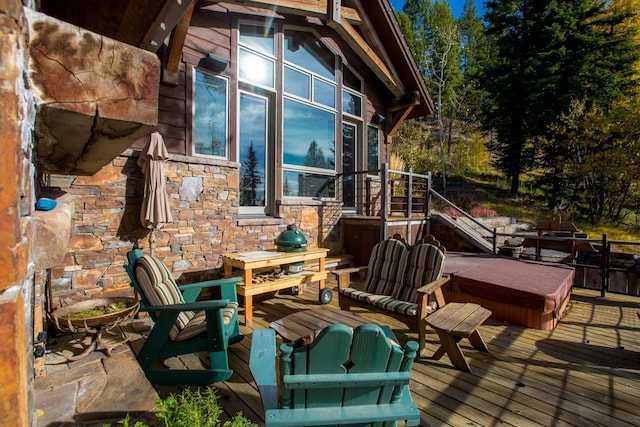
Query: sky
[456,6]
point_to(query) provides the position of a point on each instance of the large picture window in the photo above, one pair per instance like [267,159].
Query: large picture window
[297,101]
[210,115]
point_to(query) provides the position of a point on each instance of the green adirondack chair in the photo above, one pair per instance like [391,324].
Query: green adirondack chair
[182,324]
[344,376]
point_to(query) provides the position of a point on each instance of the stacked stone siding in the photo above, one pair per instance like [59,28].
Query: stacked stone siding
[204,204]
[16,226]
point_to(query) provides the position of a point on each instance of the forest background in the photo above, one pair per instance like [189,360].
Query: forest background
[537,100]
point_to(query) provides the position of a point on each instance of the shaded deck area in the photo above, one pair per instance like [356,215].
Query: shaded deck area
[585,372]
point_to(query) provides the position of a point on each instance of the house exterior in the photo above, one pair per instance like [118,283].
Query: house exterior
[268,110]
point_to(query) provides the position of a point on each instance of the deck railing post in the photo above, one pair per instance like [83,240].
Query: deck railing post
[604,266]
[409,206]
[495,240]
[428,204]
[385,197]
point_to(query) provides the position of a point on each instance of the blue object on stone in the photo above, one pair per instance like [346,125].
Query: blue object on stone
[44,204]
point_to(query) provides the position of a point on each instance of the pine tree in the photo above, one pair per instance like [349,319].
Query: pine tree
[548,54]
[250,178]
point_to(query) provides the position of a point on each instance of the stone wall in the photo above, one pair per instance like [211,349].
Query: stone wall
[16,230]
[204,206]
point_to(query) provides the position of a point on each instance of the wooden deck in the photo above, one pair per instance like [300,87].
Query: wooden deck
[586,372]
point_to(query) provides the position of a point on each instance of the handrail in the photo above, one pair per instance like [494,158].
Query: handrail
[466,215]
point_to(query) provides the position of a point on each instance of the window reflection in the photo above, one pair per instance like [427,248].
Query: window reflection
[351,104]
[304,50]
[324,93]
[296,83]
[210,115]
[256,69]
[257,38]
[253,145]
[349,139]
[309,136]
[301,184]
[373,147]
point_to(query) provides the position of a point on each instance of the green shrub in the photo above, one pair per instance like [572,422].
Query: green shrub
[191,408]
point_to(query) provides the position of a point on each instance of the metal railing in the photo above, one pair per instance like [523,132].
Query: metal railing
[409,195]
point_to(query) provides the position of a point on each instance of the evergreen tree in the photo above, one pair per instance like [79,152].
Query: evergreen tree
[474,49]
[250,178]
[315,156]
[548,54]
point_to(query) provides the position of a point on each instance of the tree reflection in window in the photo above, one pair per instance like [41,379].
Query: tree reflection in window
[210,115]
[250,179]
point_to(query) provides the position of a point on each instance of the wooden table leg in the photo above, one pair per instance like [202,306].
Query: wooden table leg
[248,299]
[321,268]
[477,342]
[450,345]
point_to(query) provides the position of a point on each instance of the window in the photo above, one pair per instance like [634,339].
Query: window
[351,93]
[257,63]
[349,164]
[373,149]
[253,148]
[257,75]
[210,115]
[309,122]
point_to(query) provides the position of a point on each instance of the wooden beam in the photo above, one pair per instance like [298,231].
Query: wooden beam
[314,8]
[362,48]
[164,23]
[178,36]
[368,32]
[397,122]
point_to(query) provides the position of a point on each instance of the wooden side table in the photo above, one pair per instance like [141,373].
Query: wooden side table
[453,322]
[252,260]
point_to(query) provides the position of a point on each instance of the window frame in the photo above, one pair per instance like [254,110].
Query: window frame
[268,158]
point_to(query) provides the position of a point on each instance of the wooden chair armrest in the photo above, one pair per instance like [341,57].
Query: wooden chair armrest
[430,288]
[343,275]
[262,365]
[190,306]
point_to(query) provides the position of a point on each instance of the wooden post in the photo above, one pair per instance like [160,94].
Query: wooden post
[604,266]
[384,198]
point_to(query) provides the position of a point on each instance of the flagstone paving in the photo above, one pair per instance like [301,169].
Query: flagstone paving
[93,391]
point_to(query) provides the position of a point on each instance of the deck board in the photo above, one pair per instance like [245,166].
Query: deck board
[586,372]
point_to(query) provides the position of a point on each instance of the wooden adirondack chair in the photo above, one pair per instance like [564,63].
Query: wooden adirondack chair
[344,376]
[182,324]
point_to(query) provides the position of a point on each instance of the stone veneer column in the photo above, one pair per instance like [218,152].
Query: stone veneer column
[16,201]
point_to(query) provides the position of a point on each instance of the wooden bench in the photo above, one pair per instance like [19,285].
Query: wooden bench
[399,282]
[453,322]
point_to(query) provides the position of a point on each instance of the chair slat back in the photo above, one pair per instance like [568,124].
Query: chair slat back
[384,266]
[423,264]
[340,350]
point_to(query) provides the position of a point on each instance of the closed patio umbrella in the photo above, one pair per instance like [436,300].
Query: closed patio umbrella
[156,211]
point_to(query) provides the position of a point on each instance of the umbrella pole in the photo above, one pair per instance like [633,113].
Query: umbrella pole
[152,240]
